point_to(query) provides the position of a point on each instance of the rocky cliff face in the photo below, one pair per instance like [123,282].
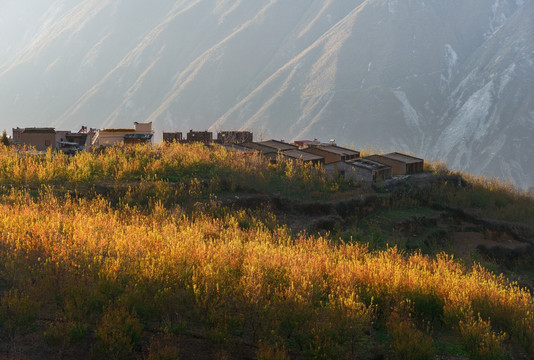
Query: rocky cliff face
[448,79]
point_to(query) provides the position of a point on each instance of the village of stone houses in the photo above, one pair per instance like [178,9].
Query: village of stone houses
[335,159]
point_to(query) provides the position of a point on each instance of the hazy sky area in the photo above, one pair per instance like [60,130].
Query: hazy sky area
[444,79]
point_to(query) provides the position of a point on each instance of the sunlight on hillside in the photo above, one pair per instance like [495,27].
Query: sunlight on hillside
[133,275]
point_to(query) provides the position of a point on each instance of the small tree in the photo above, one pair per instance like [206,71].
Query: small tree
[4,139]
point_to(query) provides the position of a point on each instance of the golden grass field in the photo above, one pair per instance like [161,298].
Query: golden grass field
[156,263]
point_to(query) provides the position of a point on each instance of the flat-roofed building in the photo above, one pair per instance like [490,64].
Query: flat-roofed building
[61,135]
[238,148]
[278,145]
[333,153]
[145,128]
[170,137]
[205,137]
[302,156]
[82,139]
[41,139]
[259,147]
[110,137]
[359,170]
[401,164]
[266,151]
[337,168]
[369,170]
[16,134]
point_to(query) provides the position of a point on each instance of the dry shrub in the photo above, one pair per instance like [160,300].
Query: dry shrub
[163,348]
[480,340]
[271,352]
[62,334]
[118,333]
[437,167]
[18,314]
[408,341]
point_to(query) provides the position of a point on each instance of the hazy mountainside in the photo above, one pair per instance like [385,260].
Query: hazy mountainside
[489,121]
[450,79]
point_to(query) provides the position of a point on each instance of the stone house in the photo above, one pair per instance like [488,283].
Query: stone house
[82,139]
[303,157]
[205,137]
[110,137]
[333,153]
[41,139]
[401,164]
[266,151]
[359,170]
[170,137]
[278,145]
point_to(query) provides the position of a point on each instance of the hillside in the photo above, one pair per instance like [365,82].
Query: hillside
[449,80]
[186,251]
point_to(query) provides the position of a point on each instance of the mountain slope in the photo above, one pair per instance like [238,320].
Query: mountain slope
[489,124]
[395,74]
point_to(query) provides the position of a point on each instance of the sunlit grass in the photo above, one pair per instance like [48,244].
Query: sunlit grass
[194,168]
[487,197]
[80,259]
[128,274]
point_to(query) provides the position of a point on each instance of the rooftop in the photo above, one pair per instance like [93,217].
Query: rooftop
[257,146]
[408,159]
[338,150]
[302,155]
[369,164]
[35,130]
[238,148]
[117,130]
[278,145]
